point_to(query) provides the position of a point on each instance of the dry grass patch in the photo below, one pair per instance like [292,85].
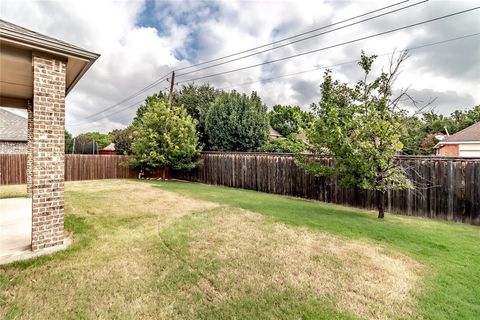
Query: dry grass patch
[13,191]
[141,252]
[112,276]
[253,252]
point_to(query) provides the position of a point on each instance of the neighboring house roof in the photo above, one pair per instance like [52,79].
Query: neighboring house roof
[110,147]
[274,133]
[12,127]
[468,135]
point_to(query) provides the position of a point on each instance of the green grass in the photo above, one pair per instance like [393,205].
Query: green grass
[451,251]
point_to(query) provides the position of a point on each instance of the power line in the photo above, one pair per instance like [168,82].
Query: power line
[116,112]
[153,84]
[292,37]
[303,39]
[157,81]
[329,47]
[348,62]
[320,68]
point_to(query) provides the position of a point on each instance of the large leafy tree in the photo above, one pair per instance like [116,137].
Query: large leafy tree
[165,137]
[197,100]
[143,108]
[122,138]
[237,122]
[360,128]
[286,119]
[289,119]
[102,140]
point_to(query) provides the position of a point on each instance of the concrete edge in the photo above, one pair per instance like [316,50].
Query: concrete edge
[28,254]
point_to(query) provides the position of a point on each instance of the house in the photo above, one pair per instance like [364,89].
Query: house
[37,73]
[108,150]
[13,133]
[465,143]
[274,134]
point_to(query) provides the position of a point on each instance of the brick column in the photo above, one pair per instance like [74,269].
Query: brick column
[48,151]
[29,148]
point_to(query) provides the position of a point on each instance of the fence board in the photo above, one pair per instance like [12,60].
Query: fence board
[448,188]
[13,168]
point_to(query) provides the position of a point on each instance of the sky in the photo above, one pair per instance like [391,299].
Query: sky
[141,41]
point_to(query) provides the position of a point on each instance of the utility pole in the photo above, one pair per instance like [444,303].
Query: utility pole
[170,95]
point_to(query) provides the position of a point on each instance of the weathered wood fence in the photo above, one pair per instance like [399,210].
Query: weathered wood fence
[449,188]
[13,168]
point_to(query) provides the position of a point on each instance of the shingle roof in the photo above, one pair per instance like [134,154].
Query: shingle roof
[12,126]
[471,133]
[110,147]
[274,133]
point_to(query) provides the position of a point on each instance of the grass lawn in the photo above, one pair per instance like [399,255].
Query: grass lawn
[189,251]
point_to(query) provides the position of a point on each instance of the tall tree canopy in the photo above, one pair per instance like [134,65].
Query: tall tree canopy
[101,139]
[289,119]
[360,128]
[122,138]
[165,137]
[237,122]
[197,100]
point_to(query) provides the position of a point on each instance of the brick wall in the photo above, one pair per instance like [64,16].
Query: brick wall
[448,150]
[13,147]
[29,148]
[48,152]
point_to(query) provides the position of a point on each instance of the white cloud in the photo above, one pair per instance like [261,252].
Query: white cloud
[135,52]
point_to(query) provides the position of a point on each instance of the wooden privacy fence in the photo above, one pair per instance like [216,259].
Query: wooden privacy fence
[13,168]
[449,188]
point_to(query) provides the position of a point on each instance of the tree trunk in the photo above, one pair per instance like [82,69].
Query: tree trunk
[381,204]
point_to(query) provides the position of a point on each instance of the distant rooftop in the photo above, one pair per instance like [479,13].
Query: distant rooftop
[274,133]
[12,127]
[470,134]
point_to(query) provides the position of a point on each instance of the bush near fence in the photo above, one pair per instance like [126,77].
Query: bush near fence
[449,188]
[13,168]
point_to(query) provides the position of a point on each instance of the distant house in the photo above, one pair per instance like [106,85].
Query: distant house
[465,143]
[274,134]
[13,133]
[108,150]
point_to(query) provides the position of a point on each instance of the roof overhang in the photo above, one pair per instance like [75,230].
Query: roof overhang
[442,143]
[16,74]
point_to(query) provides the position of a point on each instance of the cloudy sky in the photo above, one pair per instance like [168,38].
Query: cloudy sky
[140,41]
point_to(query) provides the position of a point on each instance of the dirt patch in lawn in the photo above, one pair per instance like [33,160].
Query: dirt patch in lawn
[359,278]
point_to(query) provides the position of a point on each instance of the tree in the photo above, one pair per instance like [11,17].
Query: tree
[165,137]
[286,119]
[68,142]
[414,135]
[289,119]
[122,138]
[197,100]
[284,145]
[143,107]
[360,128]
[102,140]
[237,122]
[427,144]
